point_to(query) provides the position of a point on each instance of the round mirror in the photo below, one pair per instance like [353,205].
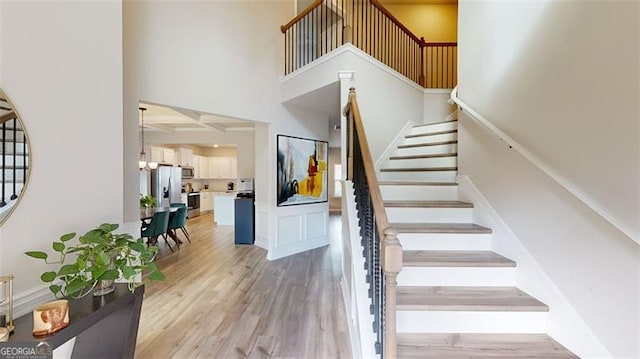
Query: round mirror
[15,159]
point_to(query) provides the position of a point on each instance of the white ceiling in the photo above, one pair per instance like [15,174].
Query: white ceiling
[170,119]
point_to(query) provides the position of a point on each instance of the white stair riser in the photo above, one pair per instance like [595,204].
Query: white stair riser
[457,276]
[427,150]
[445,241]
[450,161]
[431,139]
[470,322]
[428,176]
[429,215]
[401,192]
[445,126]
[19,159]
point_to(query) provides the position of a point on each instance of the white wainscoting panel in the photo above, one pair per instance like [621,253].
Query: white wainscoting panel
[317,224]
[262,229]
[289,229]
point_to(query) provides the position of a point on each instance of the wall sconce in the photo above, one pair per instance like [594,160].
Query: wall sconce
[6,302]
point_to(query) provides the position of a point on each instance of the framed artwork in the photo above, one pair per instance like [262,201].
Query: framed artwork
[302,171]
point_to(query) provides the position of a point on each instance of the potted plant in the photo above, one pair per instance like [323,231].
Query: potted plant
[147,201]
[99,258]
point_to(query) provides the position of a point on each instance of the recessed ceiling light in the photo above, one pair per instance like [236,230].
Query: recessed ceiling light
[215,146]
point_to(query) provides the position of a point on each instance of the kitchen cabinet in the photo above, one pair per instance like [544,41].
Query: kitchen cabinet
[186,157]
[234,167]
[203,167]
[206,201]
[163,155]
[223,209]
[196,166]
[223,167]
[157,154]
[169,156]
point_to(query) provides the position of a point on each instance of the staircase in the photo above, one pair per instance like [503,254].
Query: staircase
[455,297]
[14,157]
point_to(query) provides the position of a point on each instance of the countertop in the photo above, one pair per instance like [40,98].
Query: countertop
[224,193]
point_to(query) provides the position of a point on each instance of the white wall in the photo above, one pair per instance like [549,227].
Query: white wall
[436,108]
[61,65]
[225,58]
[566,90]
[387,100]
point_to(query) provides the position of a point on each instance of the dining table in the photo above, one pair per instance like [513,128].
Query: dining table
[148,212]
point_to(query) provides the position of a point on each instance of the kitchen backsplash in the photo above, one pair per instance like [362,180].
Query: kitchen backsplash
[214,184]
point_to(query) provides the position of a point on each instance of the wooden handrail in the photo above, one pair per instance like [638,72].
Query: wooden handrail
[7,116]
[397,22]
[391,261]
[304,13]
[431,44]
[376,197]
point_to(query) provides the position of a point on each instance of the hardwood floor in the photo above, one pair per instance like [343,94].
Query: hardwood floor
[226,301]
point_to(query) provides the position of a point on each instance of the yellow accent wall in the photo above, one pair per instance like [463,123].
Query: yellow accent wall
[434,22]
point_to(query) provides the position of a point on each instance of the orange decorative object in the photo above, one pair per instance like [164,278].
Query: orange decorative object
[50,317]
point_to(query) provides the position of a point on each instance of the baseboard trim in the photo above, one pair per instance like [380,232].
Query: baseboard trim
[564,323]
[353,331]
[299,247]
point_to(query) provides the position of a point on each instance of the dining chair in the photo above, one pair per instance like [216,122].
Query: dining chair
[178,204]
[179,221]
[157,227]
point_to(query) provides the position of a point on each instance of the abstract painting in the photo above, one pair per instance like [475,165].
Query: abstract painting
[302,171]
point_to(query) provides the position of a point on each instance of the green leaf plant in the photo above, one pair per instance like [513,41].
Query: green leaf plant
[147,201]
[99,255]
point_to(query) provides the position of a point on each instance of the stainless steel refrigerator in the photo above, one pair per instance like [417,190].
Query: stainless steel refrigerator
[166,185]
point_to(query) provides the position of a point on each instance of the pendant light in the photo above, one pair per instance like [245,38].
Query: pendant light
[142,163]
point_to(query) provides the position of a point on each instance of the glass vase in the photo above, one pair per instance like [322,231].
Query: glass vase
[104,286]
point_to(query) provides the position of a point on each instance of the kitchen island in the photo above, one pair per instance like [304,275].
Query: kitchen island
[223,203]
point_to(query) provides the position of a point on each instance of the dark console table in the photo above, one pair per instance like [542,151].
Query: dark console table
[104,327]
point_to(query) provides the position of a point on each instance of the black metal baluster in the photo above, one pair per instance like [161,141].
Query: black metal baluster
[4,155]
[25,153]
[14,195]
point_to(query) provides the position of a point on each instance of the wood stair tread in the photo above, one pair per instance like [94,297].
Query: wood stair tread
[440,228]
[414,157]
[434,133]
[452,142]
[480,345]
[434,123]
[428,204]
[441,258]
[415,183]
[419,169]
[493,299]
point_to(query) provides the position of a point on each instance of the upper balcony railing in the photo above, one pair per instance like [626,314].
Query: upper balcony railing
[327,24]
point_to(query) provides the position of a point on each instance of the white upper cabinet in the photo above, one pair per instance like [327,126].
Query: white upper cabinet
[203,167]
[186,157]
[196,166]
[169,156]
[163,155]
[223,167]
